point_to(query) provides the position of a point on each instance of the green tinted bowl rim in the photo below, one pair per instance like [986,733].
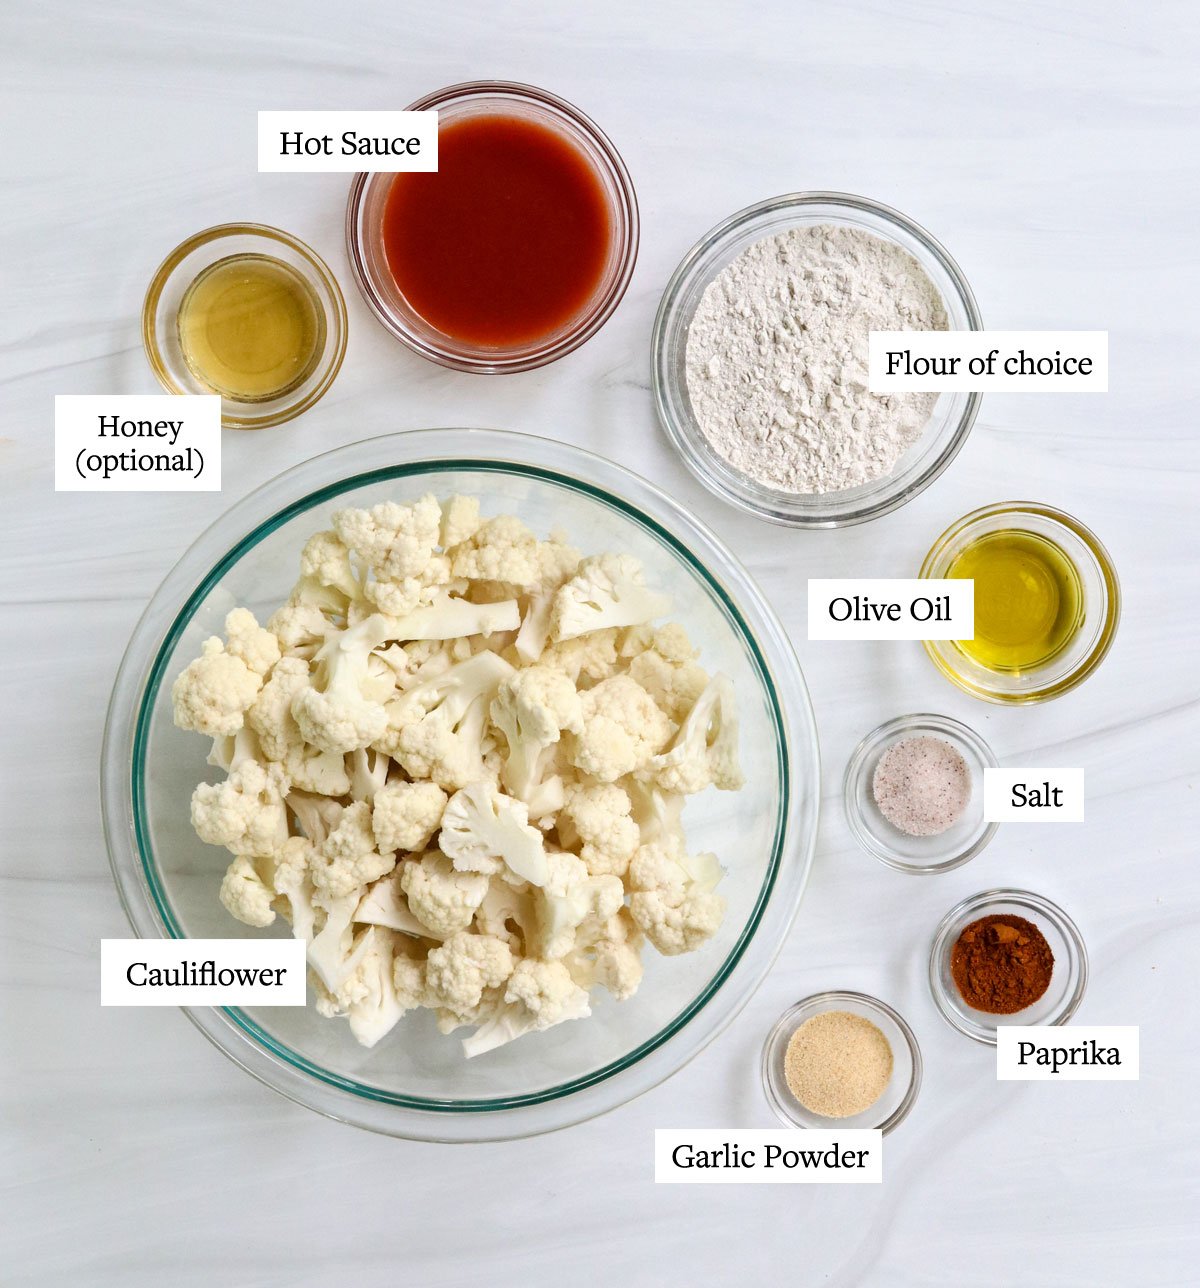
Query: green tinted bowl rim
[155,678]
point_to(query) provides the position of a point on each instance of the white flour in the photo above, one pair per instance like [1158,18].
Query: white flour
[777,357]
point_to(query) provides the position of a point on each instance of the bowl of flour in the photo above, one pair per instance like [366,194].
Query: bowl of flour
[760,359]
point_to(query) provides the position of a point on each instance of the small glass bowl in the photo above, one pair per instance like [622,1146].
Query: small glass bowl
[364,233]
[1100,590]
[891,1109]
[917,855]
[1067,983]
[953,414]
[160,318]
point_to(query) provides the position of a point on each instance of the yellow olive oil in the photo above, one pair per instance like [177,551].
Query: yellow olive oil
[251,328]
[1028,599]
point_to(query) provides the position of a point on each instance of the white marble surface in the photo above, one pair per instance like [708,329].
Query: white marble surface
[1051,146]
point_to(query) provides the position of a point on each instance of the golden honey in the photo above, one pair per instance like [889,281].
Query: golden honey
[250,328]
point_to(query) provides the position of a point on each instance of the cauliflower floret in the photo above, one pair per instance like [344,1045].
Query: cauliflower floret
[293,886]
[613,960]
[341,708]
[658,814]
[256,646]
[460,521]
[539,995]
[606,591]
[379,1005]
[459,970]
[485,831]
[673,900]
[299,628]
[396,541]
[622,729]
[400,597]
[212,694]
[503,549]
[571,904]
[406,815]
[586,660]
[347,859]
[315,815]
[596,817]
[384,904]
[437,727]
[674,683]
[439,897]
[532,709]
[369,771]
[704,752]
[245,895]
[507,913]
[326,560]
[558,561]
[245,813]
[270,716]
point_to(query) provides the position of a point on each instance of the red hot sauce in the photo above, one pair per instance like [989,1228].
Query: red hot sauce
[508,241]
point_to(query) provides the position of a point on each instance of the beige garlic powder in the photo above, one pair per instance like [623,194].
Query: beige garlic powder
[837,1064]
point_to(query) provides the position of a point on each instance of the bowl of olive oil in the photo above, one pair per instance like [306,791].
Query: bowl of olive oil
[250,313]
[1047,602]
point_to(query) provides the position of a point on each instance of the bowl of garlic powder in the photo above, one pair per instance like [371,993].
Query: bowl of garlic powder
[760,359]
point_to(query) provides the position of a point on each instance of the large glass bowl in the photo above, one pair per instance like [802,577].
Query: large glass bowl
[416,1082]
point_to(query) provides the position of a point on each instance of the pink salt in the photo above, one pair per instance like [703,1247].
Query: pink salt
[922,785]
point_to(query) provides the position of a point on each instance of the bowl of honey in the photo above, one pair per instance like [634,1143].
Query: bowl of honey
[516,250]
[248,312]
[1047,602]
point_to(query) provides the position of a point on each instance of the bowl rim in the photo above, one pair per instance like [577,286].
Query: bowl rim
[626,236]
[828,1001]
[336,321]
[937,560]
[974,905]
[142,673]
[669,321]
[917,722]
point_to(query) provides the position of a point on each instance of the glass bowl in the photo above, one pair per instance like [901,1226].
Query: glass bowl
[364,237]
[1067,983]
[160,319]
[953,414]
[1100,608]
[917,855]
[898,1098]
[416,1082]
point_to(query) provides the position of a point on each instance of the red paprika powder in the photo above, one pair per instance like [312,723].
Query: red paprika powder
[1001,964]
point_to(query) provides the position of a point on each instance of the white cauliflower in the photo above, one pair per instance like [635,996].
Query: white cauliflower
[539,995]
[613,960]
[502,550]
[245,895]
[456,761]
[532,709]
[246,812]
[384,904]
[347,859]
[673,899]
[596,817]
[396,541]
[438,896]
[606,591]
[485,831]
[622,729]
[704,753]
[406,815]
[571,904]
[341,708]
[437,727]
[459,970]
[213,693]
[460,521]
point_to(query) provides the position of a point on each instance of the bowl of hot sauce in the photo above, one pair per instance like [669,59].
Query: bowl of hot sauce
[516,251]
